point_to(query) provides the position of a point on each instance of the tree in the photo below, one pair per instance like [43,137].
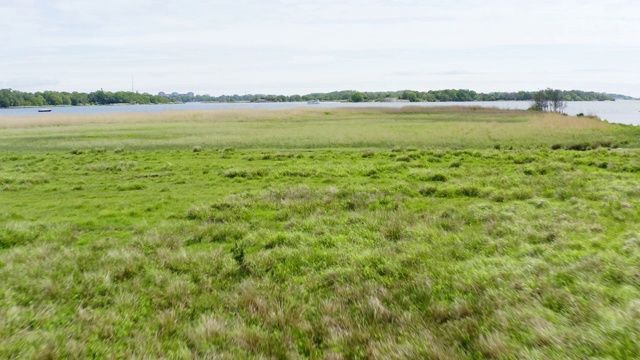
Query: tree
[548,100]
[539,102]
[357,97]
[409,95]
[556,100]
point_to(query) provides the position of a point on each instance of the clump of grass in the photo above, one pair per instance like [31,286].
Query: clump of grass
[197,149]
[131,187]
[394,229]
[244,173]
[428,190]
[217,233]
[18,234]
[284,155]
[583,146]
[238,253]
[368,154]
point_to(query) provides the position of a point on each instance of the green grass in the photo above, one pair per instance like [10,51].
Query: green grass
[449,233]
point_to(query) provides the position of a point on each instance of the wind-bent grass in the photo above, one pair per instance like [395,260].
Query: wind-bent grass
[450,243]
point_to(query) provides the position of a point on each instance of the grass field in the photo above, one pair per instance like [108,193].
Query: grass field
[439,233]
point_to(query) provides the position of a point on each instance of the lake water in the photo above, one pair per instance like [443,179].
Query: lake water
[621,111]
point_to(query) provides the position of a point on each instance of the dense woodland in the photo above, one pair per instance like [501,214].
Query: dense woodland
[14,98]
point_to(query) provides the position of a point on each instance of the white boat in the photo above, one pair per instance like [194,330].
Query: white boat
[313,102]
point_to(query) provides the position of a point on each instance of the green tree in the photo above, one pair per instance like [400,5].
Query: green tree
[548,100]
[357,97]
[409,95]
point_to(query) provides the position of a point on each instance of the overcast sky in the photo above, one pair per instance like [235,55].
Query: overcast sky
[298,47]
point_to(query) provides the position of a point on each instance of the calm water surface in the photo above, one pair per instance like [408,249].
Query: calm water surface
[621,111]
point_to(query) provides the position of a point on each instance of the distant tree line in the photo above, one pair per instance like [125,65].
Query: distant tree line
[13,98]
[452,95]
[408,95]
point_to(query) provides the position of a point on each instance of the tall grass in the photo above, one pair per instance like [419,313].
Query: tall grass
[462,128]
[259,250]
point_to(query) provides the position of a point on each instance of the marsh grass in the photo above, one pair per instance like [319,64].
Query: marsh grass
[445,127]
[379,251]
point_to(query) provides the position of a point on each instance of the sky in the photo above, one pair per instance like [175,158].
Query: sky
[299,47]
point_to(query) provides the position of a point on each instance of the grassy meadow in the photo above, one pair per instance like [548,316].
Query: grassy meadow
[440,233]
